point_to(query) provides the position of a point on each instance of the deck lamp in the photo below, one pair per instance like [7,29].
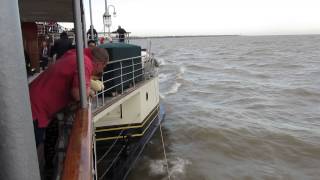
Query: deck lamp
[107,17]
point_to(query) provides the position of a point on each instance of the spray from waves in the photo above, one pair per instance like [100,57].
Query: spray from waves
[177,167]
[163,77]
[161,61]
[162,96]
[173,89]
[182,69]
[157,167]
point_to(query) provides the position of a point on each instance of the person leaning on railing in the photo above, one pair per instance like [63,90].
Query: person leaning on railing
[58,86]
[121,33]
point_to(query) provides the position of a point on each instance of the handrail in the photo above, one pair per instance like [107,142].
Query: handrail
[125,59]
[146,71]
[106,72]
[78,160]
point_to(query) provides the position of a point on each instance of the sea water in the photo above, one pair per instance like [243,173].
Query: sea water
[238,107]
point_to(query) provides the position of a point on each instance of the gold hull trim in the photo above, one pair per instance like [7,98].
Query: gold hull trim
[129,127]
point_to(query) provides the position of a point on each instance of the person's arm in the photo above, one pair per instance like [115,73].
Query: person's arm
[75,93]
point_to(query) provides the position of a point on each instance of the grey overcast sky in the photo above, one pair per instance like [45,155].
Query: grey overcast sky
[210,17]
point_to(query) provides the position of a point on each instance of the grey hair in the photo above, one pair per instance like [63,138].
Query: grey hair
[100,54]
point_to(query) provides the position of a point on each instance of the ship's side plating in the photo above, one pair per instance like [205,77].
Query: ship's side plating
[125,124]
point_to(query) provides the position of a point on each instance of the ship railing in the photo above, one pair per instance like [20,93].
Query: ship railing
[46,28]
[77,162]
[126,75]
[114,37]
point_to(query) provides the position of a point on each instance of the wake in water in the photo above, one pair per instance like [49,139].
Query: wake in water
[177,168]
[176,84]
[161,61]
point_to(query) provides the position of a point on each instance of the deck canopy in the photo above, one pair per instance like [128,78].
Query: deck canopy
[46,10]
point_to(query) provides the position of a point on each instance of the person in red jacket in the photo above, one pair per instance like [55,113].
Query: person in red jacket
[58,86]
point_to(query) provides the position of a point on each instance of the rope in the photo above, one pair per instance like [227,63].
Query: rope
[164,153]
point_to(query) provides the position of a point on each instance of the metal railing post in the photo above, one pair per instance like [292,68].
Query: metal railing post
[134,81]
[122,73]
[121,77]
[79,47]
[97,100]
[102,92]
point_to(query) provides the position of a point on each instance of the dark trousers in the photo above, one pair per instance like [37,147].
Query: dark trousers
[46,139]
[38,133]
[44,62]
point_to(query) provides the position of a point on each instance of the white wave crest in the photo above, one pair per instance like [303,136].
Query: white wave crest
[162,96]
[177,167]
[182,69]
[161,61]
[163,77]
[157,167]
[174,89]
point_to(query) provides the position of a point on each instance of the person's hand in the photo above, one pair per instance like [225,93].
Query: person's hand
[92,93]
[97,85]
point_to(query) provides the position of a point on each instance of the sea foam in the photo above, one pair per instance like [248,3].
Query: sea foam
[177,167]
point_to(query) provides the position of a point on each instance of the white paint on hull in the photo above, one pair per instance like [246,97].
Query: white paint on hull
[135,106]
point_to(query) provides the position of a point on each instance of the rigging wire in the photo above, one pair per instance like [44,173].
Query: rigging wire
[113,161]
[113,144]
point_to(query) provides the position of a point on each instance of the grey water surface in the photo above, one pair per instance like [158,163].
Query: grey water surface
[238,107]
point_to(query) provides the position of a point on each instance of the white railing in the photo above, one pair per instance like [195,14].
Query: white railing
[125,74]
[115,37]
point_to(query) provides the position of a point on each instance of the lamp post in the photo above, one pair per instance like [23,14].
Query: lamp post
[107,17]
[91,25]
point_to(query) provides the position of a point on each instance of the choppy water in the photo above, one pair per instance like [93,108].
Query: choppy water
[237,108]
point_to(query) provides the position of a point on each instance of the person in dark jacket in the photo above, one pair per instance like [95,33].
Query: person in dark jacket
[95,35]
[61,46]
[121,33]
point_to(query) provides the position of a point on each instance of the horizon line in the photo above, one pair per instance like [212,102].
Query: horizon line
[220,35]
